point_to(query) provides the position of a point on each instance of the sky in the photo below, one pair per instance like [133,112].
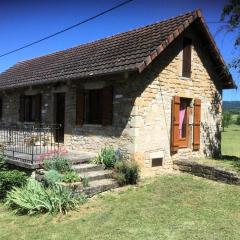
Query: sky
[25,21]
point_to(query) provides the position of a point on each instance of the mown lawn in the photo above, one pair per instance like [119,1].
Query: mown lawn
[165,207]
[231,141]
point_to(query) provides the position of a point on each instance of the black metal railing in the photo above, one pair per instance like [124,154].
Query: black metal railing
[29,143]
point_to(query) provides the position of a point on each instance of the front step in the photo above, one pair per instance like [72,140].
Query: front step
[97,175]
[100,186]
[79,157]
[87,167]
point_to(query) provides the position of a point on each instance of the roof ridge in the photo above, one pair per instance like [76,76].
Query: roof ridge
[108,37]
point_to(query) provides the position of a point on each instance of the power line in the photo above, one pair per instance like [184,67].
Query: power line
[68,28]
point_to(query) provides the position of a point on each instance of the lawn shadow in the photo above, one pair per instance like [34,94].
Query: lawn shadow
[234,160]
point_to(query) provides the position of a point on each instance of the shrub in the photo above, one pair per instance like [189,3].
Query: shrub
[126,172]
[10,179]
[58,163]
[238,120]
[71,177]
[107,156]
[121,178]
[85,181]
[52,177]
[3,165]
[34,198]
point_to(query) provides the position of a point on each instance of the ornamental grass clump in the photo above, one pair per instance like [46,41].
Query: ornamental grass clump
[33,198]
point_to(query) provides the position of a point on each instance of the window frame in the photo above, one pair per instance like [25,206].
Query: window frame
[93,100]
[186,58]
[28,108]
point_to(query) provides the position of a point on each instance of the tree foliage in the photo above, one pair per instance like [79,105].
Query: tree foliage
[227,118]
[231,14]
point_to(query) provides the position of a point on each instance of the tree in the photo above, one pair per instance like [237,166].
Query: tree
[231,14]
[238,120]
[227,118]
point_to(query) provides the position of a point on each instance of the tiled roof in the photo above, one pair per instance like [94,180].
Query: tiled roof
[128,51]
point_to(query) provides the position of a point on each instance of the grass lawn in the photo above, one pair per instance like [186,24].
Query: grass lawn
[165,207]
[230,150]
[231,141]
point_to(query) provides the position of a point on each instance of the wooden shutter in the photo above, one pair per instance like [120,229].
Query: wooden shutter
[175,124]
[80,107]
[186,60]
[107,110]
[196,124]
[22,109]
[38,107]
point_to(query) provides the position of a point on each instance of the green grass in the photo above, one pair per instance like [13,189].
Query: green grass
[227,164]
[166,207]
[231,141]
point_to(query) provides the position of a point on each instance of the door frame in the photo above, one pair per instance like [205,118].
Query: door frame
[185,141]
[59,111]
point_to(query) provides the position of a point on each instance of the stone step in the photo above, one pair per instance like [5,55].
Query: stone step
[87,167]
[100,186]
[97,175]
[79,157]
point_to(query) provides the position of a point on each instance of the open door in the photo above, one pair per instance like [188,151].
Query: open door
[59,116]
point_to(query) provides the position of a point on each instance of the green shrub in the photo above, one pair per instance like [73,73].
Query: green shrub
[58,163]
[85,181]
[107,157]
[3,165]
[71,177]
[52,177]
[126,172]
[238,120]
[121,178]
[10,179]
[34,198]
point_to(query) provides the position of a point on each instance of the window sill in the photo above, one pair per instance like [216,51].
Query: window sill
[185,78]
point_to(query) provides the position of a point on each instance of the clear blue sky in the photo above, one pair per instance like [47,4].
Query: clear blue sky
[25,21]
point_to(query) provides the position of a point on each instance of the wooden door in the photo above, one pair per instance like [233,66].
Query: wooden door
[59,116]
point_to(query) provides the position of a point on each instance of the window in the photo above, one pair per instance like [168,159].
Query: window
[94,106]
[30,108]
[180,127]
[186,58]
[184,121]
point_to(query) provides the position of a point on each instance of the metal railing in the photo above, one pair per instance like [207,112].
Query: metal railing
[28,143]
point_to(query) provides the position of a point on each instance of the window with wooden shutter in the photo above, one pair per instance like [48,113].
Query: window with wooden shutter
[80,102]
[30,108]
[196,124]
[187,57]
[107,112]
[175,124]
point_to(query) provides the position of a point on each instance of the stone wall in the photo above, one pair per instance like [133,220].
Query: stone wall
[152,108]
[206,171]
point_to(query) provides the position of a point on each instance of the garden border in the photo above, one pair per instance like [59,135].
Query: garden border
[207,171]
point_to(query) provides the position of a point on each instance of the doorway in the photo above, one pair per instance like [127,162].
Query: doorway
[59,116]
[184,113]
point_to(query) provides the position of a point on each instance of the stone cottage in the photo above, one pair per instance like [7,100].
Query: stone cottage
[153,92]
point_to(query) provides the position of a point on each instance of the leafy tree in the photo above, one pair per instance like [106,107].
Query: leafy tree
[238,120]
[227,118]
[231,14]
